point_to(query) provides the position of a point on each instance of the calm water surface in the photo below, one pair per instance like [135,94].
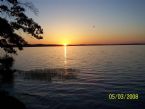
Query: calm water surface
[80,77]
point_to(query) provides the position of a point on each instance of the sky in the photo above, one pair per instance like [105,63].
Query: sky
[90,21]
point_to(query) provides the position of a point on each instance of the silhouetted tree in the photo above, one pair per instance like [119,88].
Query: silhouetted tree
[6,63]
[6,71]
[12,19]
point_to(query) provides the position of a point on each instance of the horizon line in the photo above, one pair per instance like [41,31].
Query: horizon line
[43,45]
[83,44]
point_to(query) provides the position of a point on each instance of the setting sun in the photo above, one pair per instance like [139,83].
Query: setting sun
[65,44]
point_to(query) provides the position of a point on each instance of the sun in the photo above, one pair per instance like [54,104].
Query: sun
[65,44]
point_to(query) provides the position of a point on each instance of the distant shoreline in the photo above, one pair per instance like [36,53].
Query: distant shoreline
[54,45]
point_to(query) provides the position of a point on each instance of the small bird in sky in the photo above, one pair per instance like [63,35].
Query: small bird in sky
[93,26]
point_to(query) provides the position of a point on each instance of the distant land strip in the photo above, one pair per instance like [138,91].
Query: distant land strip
[53,45]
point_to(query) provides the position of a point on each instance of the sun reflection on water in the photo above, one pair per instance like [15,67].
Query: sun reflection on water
[65,55]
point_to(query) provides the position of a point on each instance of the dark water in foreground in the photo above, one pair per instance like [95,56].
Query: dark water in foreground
[80,77]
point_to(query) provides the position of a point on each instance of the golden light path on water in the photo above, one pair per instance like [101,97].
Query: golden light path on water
[65,54]
[65,59]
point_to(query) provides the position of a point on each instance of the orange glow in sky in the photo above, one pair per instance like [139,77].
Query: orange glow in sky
[90,21]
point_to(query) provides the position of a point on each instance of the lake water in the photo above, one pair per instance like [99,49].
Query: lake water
[80,77]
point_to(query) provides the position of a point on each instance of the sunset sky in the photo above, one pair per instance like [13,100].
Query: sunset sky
[90,21]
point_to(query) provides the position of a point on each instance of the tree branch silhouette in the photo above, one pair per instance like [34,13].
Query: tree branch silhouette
[17,20]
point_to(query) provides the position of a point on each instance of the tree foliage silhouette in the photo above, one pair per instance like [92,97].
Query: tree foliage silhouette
[12,19]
